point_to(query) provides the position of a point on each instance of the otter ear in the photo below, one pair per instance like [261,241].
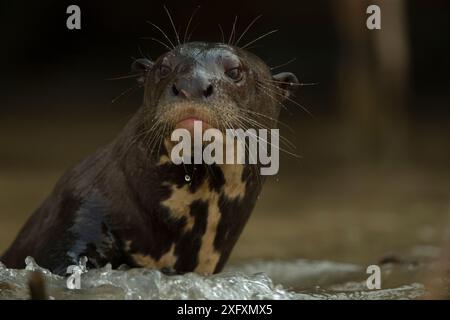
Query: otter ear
[141,66]
[287,81]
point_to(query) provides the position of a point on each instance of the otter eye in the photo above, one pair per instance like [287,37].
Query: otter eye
[163,71]
[234,74]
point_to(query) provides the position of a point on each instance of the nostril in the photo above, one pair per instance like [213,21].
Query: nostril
[175,90]
[208,91]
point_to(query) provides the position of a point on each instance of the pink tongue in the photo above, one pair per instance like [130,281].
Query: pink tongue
[188,124]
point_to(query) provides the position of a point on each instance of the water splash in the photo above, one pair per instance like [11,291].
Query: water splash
[297,279]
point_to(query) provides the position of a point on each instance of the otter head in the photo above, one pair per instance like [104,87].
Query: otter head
[221,85]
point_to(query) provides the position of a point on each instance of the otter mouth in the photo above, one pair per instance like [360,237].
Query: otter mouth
[189,122]
[187,115]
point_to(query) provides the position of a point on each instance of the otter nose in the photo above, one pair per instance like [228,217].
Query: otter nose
[192,88]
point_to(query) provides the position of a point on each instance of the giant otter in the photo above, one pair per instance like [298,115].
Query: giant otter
[128,203]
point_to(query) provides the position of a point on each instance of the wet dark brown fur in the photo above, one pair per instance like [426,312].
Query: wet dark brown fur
[129,204]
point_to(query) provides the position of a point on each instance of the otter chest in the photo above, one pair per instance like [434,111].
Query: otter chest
[203,218]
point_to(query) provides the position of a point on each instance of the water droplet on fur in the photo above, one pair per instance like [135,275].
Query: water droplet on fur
[187,178]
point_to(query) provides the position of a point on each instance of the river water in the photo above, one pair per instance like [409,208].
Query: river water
[295,279]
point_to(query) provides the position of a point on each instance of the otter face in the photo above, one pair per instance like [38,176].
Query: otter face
[221,85]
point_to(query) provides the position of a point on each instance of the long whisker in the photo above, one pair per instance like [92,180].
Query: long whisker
[129,90]
[157,130]
[161,140]
[124,77]
[251,135]
[253,168]
[271,144]
[269,118]
[156,121]
[301,84]
[158,41]
[279,148]
[273,90]
[163,33]
[271,95]
[173,25]
[233,31]
[283,65]
[222,33]
[135,138]
[155,134]
[259,38]
[189,23]
[258,125]
[246,29]
[142,53]
[192,32]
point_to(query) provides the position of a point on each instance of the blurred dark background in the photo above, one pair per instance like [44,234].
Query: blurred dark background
[374,173]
